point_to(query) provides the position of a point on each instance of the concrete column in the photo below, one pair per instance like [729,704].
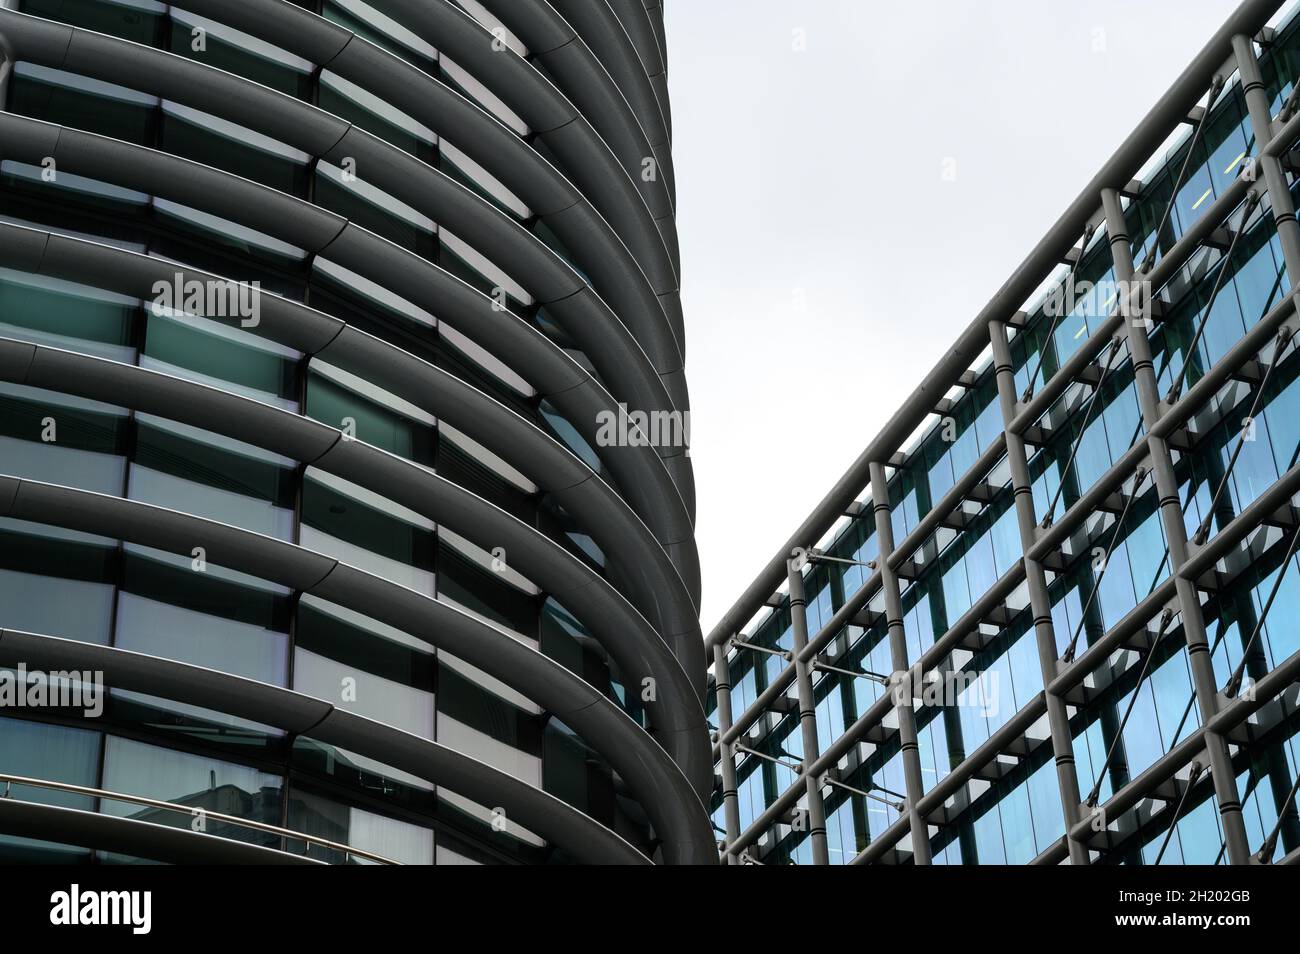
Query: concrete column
[1171,519]
[1040,604]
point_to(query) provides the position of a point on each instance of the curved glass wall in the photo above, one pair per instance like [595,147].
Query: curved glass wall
[191,608]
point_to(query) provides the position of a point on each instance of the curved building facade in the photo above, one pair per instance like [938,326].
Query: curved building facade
[1050,614]
[343,436]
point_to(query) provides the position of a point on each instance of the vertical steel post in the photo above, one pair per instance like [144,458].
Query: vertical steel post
[6,68]
[807,712]
[1171,519]
[911,751]
[730,804]
[1261,123]
[1058,719]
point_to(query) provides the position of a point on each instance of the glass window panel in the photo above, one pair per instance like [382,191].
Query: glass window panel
[53,753]
[194,781]
[364,672]
[166,609]
[55,586]
[239,53]
[335,398]
[82,103]
[214,477]
[59,439]
[210,352]
[199,136]
[65,315]
[361,528]
[399,841]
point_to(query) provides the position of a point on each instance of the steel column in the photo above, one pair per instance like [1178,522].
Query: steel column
[807,713]
[1119,169]
[951,501]
[6,64]
[902,668]
[730,805]
[1165,269]
[1058,718]
[1171,520]
[1217,547]
[1261,122]
[928,398]
[1275,179]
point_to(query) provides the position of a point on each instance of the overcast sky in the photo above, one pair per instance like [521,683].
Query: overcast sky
[827,261]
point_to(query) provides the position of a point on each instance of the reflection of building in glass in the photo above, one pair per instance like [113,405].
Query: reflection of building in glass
[1090,516]
[308,317]
[260,806]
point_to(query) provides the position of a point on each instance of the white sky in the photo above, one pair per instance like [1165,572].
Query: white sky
[826,262]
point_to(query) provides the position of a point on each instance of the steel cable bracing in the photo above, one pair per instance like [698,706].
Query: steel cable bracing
[1215,88]
[1252,198]
[1182,426]
[1247,430]
[1195,775]
[1095,792]
[1234,683]
[1265,853]
[583,330]
[1056,318]
[1220,373]
[1202,532]
[1223,631]
[1046,255]
[1138,480]
[1115,347]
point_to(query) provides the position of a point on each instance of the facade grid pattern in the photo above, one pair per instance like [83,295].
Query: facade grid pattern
[1059,625]
[313,316]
